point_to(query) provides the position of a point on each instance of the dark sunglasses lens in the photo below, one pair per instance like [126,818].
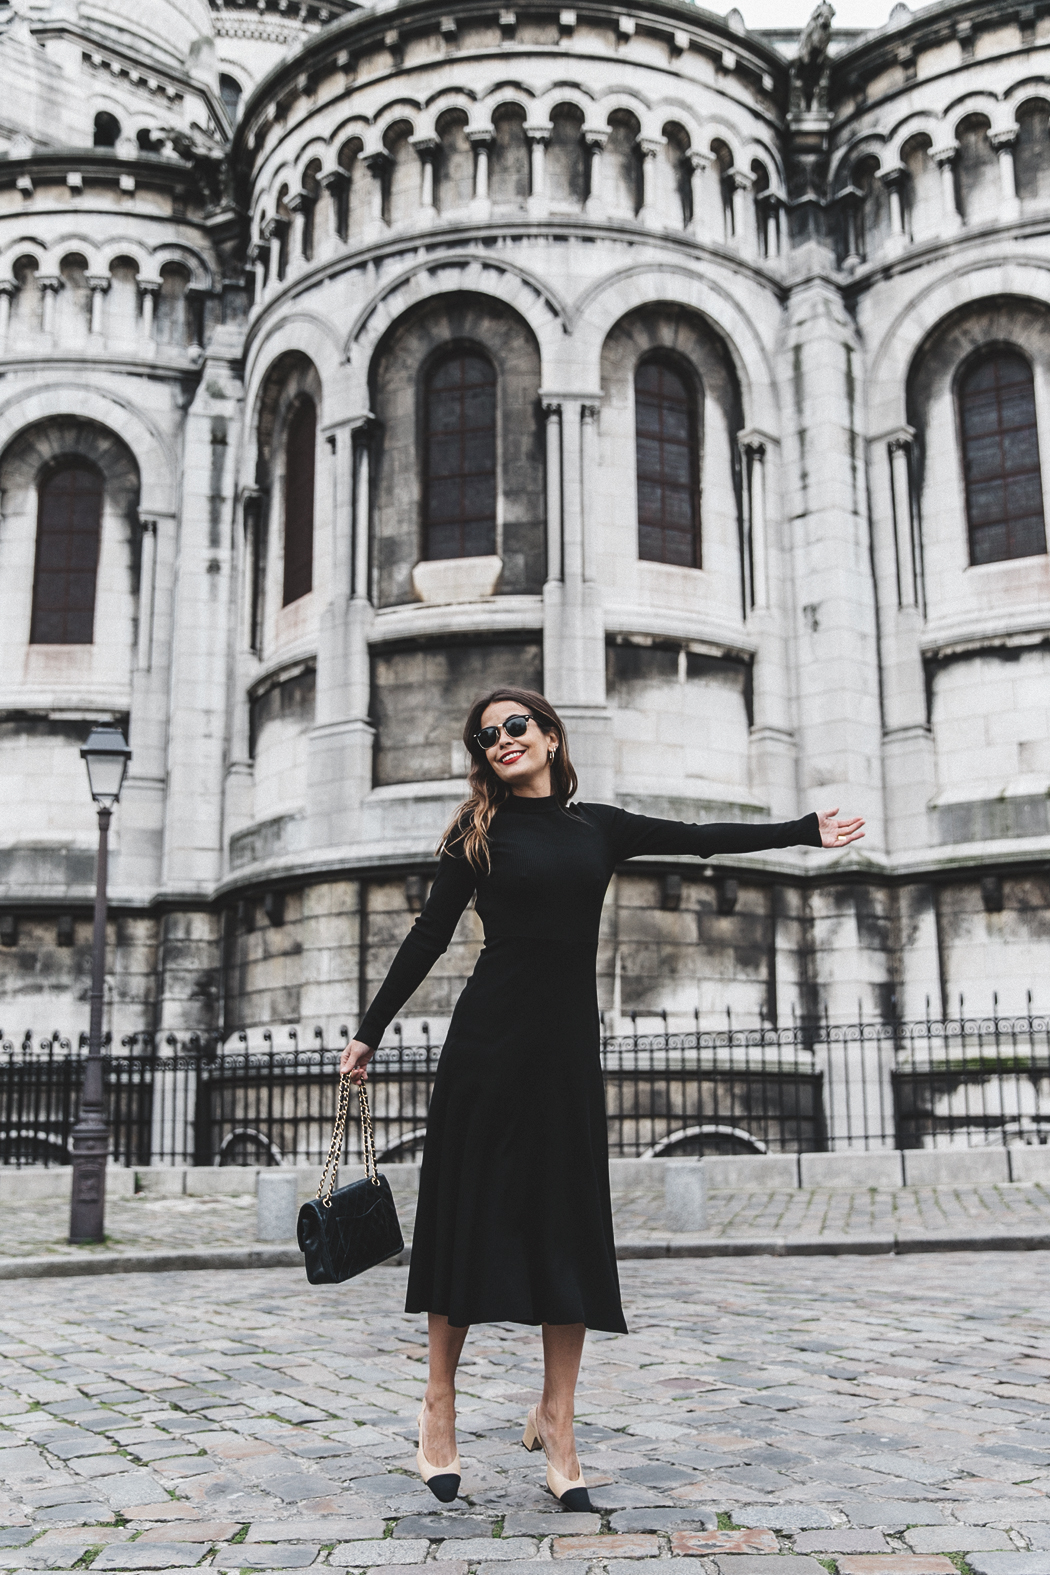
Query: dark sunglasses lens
[487,737]
[516,725]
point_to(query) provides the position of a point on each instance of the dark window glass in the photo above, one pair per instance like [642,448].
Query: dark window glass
[299,501]
[665,449]
[460,497]
[69,518]
[230,93]
[1004,490]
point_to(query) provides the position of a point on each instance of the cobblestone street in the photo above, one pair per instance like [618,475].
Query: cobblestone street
[871,1414]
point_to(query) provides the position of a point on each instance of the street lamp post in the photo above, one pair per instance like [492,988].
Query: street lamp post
[106,755]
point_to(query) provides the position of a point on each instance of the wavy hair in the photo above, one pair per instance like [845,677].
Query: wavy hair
[469,826]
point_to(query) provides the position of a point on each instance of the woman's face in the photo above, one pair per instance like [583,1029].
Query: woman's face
[520,762]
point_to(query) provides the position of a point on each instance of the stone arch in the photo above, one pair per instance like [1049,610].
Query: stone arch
[454,172]
[677,170]
[973,573]
[528,296]
[600,306]
[509,161]
[566,157]
[484,325]
[29,456]
[977,186]
[894,354]
[1032,147]
[643,531]
[151,449]
[289,386]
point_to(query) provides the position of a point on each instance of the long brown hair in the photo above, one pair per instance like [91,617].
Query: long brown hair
[470,824]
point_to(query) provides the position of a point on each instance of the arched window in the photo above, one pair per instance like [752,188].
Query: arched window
[230,93]
[668,476]
[299,501]
[69,517]
[107,129]
[460,488]
[1004,489]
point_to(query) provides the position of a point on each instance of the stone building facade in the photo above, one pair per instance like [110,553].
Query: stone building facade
[355,358]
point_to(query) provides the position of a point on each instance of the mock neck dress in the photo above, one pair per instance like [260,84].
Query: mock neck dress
[514,1222]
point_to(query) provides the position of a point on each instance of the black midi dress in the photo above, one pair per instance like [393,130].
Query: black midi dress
[514,1222]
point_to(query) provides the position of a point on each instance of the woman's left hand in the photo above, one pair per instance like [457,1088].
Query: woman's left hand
[836,833]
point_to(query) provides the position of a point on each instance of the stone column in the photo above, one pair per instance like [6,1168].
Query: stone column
[850,203]
[742,186]
[7,291]
[299,206]
[892,179]
[827,554]
[1003,143]
[259,257]
[147,592]
[538,136]
[378,165]
[944,158]
[50,284]
[337,184]
[595,138]
[339,771]
[753,450]
[650,148]
[202,640]
[142,805]
[427,149]
[771,225]
[481,141]
[98,284]
[552,424]
[908,567]
[574,634]
[148,290]
[699,164]
[909,769]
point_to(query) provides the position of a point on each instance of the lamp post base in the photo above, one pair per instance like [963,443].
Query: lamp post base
[87,1214]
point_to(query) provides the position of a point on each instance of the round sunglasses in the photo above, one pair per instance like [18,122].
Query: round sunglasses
[513,726]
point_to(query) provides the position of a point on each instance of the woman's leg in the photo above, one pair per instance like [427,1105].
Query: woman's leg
[562,1350]
[439,1419]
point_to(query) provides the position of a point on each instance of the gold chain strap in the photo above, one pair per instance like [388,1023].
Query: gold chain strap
[330,1172]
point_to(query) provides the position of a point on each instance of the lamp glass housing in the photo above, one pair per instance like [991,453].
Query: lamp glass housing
[106,754]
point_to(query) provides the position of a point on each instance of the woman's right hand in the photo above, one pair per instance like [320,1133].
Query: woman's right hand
[354,1059]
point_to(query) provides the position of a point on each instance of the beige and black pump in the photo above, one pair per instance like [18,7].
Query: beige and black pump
[443,1481]
[572,1494]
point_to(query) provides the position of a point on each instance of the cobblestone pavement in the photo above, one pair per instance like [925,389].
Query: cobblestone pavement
[855,1415]
[144,1223]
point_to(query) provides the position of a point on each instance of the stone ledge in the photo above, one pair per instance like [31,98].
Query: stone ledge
[662,1247]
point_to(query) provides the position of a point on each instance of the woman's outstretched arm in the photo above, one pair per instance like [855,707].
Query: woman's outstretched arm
[419,951]
[636,836]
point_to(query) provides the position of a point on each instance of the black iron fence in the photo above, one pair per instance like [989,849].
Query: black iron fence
[965,1081]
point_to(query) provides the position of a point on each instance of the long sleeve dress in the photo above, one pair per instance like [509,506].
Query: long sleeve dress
[514,1222]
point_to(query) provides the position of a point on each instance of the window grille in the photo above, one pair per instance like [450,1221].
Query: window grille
[69,518]
[668,480]
[1004,490]
[460,487]
[300,445]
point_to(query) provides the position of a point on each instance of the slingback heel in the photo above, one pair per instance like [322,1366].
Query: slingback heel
[573,1495]
[443,1481]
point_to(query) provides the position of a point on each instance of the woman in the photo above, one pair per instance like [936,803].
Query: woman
[514,1222]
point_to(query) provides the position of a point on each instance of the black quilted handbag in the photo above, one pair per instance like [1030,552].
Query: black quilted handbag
[345,1232]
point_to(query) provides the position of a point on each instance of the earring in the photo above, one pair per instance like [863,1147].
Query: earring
[550,756]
